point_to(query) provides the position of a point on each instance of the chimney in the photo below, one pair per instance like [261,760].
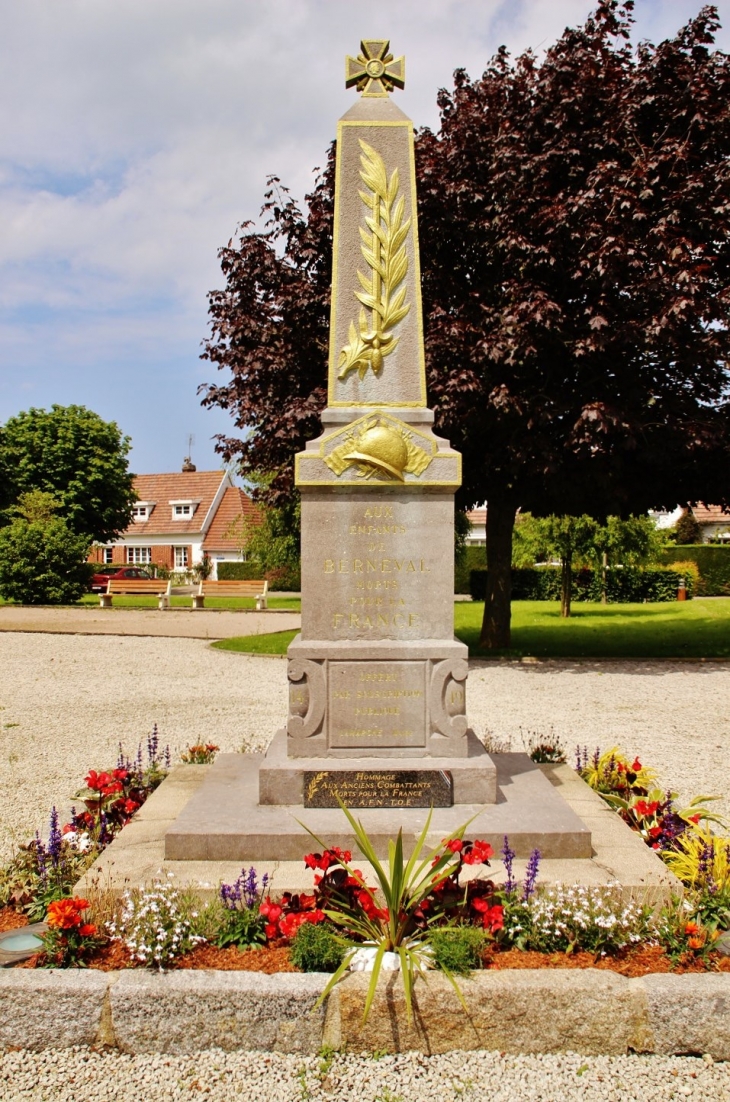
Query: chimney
[188,465]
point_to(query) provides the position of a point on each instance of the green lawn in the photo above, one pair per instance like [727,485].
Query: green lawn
[692,629]
[695,629]
[143,601]
[275,643]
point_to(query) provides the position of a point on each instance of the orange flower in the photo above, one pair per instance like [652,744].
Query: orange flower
[65,914]
[691,928]
[695,942]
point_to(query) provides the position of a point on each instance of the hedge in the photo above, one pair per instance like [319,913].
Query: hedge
[474,558]
[282,578]
[624,584]
[713,563]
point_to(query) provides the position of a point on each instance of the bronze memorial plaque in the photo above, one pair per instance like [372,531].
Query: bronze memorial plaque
[379,788]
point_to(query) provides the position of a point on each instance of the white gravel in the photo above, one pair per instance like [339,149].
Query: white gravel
[67,701]
[81,1075]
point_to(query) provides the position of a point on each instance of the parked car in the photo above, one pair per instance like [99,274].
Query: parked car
[100,580]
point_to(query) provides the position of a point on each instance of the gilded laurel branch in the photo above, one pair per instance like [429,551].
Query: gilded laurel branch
[384,250]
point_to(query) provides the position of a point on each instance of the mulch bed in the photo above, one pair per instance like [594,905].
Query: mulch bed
[10,919]
[640,960]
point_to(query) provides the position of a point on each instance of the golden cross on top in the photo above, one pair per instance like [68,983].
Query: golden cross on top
[374,71]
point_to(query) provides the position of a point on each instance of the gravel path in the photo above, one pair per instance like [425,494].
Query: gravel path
[83,1076]
[67,701]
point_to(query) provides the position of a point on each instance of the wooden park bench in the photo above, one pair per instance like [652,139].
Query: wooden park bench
[251,588]
[156,586]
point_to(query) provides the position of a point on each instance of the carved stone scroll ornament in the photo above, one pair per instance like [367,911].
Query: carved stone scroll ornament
[307,697]
[448,698]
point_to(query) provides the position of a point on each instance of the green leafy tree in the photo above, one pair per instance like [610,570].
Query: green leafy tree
[630,541]
[571,540]
[71,453]
[687,529]
[575,243]
[41,560]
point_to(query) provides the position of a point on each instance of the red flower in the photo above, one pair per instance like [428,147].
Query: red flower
[654,832]
[478,854]
[645,808]
[129,807]
[87,930]
[454,844]
[636,767]
[342,855]
[493,919]
[120,774]
[695,818]
[270,910]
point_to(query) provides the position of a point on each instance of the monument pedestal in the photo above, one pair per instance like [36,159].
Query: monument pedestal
[361,782]
[225,820]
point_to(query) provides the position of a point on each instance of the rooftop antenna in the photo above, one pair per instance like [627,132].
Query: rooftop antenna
[188,464]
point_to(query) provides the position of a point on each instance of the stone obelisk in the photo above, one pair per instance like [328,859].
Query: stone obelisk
[377,705]
[377,677]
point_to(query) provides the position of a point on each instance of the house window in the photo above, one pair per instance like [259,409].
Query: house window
[183,507]
[181,558]
[108,555]
[139,512]
[139,554]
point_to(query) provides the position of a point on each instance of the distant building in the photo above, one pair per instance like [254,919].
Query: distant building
[478,520]
[714,523]
[179,517]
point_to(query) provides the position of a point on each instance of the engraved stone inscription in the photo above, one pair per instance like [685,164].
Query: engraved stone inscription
[378,788]
[377,704]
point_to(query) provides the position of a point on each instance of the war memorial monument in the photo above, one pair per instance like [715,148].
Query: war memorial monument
[377,699]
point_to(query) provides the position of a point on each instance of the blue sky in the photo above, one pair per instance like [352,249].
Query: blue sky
[135,137]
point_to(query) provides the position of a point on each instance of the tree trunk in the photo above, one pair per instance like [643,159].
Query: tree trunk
[497,611]
[566,584]
[604,579]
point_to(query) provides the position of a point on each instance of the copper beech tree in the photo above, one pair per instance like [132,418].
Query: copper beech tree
[574,219]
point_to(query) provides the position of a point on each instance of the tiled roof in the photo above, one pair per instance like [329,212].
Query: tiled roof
[710,514]
[477,516]
[235,503]
[197,486]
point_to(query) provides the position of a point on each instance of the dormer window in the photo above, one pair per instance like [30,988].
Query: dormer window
[183,509]
[141,510]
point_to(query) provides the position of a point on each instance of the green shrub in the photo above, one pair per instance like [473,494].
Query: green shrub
[41,560]
[474,558]
[625,584]
[316,948]
[285,578]
[713,563]
[458,948]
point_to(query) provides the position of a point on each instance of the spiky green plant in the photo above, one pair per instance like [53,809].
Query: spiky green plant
[392,928]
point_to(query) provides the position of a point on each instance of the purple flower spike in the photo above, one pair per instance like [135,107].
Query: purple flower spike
[55,839]
[531,875]
[508,857]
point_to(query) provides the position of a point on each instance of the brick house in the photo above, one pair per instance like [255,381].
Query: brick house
[179,517]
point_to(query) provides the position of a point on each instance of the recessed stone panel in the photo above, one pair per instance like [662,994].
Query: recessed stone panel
[377,704]
[378,788]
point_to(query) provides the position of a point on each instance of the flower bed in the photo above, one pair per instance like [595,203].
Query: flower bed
[418,915]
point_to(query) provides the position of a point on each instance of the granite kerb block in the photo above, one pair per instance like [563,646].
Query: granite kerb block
[187,1011]
[589,1011]
[42,1009]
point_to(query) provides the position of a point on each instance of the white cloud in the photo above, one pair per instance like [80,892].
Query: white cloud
[137,134]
